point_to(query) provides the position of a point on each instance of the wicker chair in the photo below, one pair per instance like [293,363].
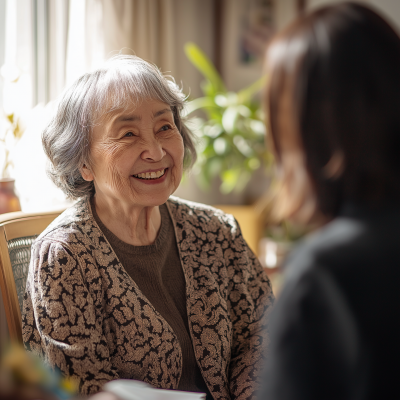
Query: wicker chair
[18,230]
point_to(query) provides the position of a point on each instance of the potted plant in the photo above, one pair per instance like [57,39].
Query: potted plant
[231,129]
[231,147]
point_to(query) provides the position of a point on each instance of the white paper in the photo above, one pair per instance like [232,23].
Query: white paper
[127,389]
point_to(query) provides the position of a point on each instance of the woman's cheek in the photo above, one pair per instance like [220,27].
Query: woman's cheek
[109,158]
[117,181]
[111,150]
[179,165]
[180,148]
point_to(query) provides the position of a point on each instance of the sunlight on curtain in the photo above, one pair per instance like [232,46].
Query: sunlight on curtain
[25,69]
[76,64]
[141,27]
[57,42]
[85,50]
[16,70]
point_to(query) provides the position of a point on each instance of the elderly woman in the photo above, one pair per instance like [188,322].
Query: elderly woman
[130,282]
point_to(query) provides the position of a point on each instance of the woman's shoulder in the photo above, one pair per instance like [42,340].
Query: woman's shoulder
[192,207]
[200,214]
[69,223]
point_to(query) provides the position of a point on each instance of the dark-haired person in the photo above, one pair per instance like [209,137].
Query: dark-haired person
[333,101]
[130,282]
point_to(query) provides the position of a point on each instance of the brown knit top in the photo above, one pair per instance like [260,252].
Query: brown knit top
[157,271]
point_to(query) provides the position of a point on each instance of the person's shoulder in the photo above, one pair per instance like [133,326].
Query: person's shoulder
[336,235]
[197,210]
[326,245]
[68,224]
[310,271]
[200,214]
[347,246]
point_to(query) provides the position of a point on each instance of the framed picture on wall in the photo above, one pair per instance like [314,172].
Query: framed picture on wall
[247,27]
[256,28]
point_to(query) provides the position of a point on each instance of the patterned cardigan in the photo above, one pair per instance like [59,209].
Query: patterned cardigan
[85,315]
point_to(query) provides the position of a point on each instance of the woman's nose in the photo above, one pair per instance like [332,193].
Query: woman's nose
[152,150]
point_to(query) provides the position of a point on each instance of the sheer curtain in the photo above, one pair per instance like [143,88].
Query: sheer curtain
[85,48]
[35,51]
[141,27]
[108,27]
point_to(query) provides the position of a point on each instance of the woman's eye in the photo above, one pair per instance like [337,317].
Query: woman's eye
[165,128]
[129,134]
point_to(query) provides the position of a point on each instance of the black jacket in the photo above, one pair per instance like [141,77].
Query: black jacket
[335,330]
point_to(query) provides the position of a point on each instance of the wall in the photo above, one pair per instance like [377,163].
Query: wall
[194,23]
[285,12]
[236,75]
[311,4]
[390,9]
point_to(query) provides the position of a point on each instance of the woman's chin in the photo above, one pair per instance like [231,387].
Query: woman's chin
[154,192]
[151,199]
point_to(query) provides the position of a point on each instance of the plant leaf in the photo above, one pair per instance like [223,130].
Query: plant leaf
[246,94]
[229,119]
[242,181]
[201,102]
[229,180]
[205,66]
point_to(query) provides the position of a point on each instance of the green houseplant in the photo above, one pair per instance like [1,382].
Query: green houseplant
[230,127]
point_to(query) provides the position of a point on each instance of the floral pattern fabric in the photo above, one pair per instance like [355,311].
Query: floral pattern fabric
[85,315]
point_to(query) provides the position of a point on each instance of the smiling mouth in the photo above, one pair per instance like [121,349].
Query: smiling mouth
[151,175]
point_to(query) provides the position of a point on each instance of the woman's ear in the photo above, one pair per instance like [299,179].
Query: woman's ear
[86,173]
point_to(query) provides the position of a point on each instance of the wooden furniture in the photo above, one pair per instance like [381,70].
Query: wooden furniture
[249,221]
[18,230]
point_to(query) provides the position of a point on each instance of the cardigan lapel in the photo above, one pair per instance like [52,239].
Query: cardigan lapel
[209,322]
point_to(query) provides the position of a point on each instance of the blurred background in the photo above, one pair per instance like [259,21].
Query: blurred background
[213,49]
[46,44]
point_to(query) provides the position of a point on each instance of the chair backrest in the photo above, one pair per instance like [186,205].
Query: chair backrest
[18,230]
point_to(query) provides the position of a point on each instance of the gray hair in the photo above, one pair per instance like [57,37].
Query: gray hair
[123,81]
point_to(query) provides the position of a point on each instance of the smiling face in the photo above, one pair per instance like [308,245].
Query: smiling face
[136,156]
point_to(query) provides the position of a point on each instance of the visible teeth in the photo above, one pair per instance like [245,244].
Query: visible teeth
[151,175]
